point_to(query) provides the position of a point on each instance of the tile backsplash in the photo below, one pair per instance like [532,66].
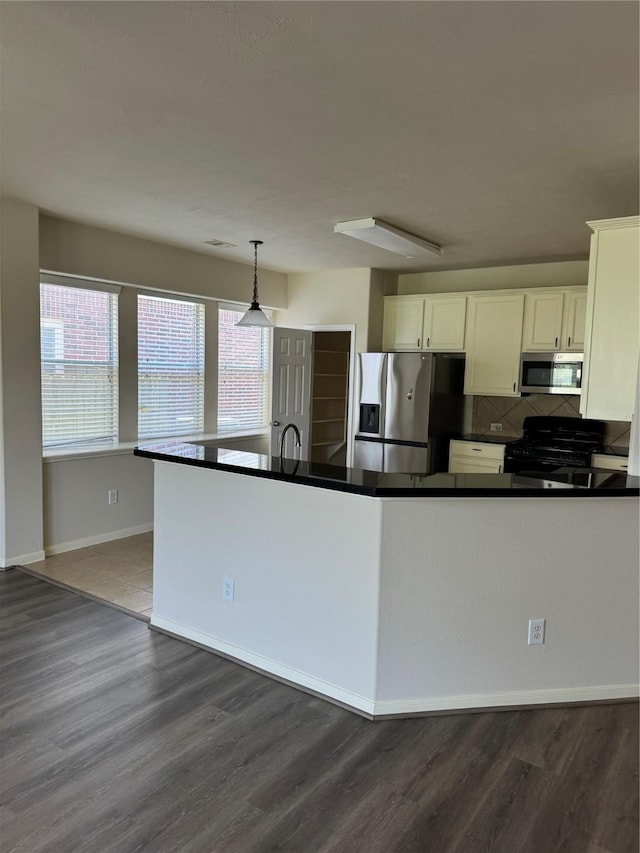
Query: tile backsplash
[511,412]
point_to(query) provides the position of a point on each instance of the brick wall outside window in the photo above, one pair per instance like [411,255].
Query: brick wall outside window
[243,373]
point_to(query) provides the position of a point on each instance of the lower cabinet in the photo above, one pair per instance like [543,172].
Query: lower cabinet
[609,463]
[475,457]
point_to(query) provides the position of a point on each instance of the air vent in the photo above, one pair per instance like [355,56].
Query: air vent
[220,244]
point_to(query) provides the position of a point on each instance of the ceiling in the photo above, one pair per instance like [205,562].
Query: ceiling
[493,128]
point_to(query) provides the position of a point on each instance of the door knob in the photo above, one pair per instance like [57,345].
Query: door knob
[276,423]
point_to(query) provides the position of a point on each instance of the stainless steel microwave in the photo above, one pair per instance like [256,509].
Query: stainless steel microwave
[551,372]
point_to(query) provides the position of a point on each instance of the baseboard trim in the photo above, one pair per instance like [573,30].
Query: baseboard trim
[63,547]
[398,708]
[21,559]
[507,701]
[267,666]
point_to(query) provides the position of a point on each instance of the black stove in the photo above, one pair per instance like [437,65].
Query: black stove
[548,443]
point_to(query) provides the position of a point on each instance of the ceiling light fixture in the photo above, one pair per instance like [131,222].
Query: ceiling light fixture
[255,316]
[388,237]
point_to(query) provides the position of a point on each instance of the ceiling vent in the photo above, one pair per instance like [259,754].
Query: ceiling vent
[220,244]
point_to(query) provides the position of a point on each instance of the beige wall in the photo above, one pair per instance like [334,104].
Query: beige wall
[565,273]
[76,508]
[74,499]
[326,298]
[383,284]
[21,539]
[75,249]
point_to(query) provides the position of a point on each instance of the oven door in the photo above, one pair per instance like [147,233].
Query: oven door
[529,465]
[551,373]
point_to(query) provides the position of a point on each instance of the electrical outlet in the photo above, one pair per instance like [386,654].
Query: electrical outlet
[113,496]
[227,589]
[536,631]
[496,427]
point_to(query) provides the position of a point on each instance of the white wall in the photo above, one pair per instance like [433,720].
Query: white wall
[402,605]
[462,577]
[296,612]
[564,273]
[76,507]
[22,539]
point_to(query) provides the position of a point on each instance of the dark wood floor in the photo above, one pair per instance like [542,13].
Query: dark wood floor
[116,738]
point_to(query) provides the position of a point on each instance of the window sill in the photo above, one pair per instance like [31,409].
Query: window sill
[123,448]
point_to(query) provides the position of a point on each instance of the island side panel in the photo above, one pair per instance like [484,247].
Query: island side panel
[305,564]
[462,577]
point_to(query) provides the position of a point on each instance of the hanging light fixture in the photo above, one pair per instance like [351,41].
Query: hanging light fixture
[255,316]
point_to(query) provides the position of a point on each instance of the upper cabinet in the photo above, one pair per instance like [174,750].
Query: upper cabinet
[575,319]
[424,323]
[542,321]
[403,323]
[554,320]
[492,327]
[494,344]
[613,306]
[444,323]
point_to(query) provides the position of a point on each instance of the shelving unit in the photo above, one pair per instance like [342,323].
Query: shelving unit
[329,397]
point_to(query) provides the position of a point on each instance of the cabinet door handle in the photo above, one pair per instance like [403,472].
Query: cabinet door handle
[514,386]
[428,339]
[556,342]
[569,341]
[418,342]
[477,449]
[499,469]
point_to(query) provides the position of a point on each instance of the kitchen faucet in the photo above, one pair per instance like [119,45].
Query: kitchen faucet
[283,434]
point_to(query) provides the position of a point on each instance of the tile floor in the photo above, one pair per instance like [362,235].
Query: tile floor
[119,572]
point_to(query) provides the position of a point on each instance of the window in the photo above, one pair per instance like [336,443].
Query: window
[243,373]
[170,367]
[79,359]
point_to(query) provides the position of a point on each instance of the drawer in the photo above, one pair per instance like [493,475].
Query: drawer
[610,463]
[476,449]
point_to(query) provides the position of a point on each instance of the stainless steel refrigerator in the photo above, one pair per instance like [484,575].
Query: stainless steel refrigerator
[410,405]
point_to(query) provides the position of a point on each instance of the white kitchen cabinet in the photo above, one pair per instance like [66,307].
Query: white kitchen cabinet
[609,462]
[543,313]
[403,323]
[493,343]
[554,320]
[475,457]
[444,323]
[613,307]
[575,319]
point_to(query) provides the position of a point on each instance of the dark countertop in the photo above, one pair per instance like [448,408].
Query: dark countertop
[563,483]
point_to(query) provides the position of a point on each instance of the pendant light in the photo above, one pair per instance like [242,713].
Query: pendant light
[255,316]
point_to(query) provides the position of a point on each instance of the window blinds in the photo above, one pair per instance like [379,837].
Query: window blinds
[170,367]
[79,365]
[243,373]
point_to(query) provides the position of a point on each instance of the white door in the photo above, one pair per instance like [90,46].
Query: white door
[291,390]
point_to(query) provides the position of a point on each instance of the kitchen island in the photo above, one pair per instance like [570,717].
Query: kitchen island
[399,594]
